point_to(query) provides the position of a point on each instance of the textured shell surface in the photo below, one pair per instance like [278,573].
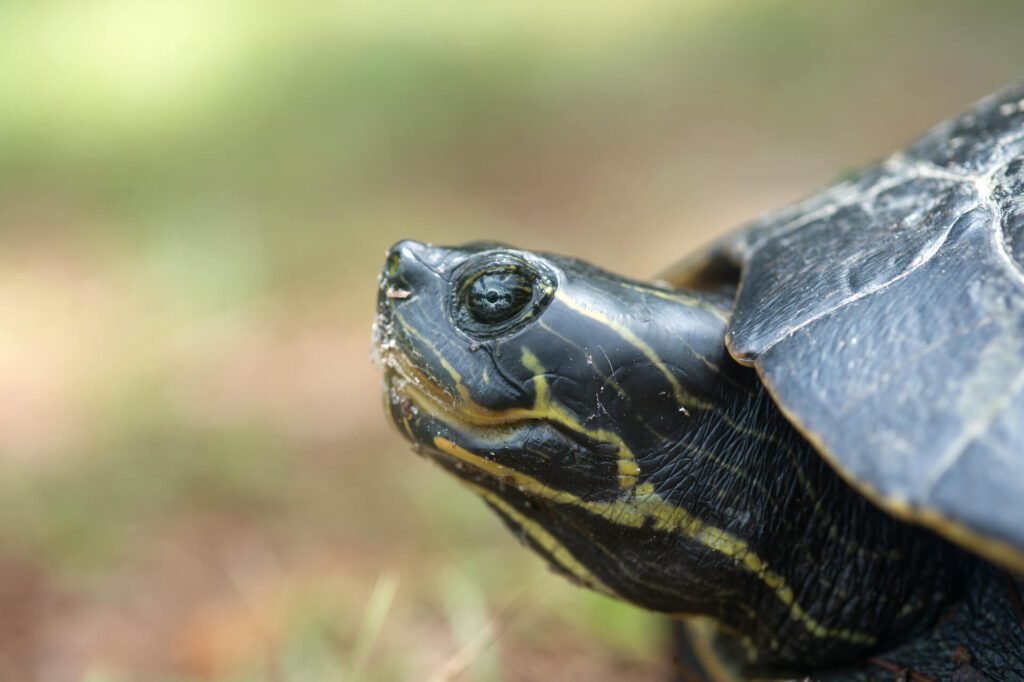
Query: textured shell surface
[886,316]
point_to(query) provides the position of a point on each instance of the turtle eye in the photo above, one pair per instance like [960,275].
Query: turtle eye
[498,293]
[497,296]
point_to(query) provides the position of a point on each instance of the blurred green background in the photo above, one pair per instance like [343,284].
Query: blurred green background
[195,196]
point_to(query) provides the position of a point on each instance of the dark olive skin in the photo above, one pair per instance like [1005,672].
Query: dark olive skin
[604,420]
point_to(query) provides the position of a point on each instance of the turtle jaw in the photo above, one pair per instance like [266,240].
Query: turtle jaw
[474,454]
[413,401]
[493,447]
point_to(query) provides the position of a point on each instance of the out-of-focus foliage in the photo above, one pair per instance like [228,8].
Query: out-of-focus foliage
[197,482]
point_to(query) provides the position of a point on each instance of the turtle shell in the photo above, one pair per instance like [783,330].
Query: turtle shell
[886,317]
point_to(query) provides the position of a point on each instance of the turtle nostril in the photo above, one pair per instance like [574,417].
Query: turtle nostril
[407,269]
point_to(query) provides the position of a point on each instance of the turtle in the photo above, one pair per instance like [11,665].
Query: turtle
[805,443]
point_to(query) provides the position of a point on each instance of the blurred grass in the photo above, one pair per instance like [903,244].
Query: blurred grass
[194,199]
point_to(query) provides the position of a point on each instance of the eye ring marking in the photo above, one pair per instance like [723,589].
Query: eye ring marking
[499,293]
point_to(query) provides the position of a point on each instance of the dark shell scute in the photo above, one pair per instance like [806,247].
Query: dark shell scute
[886,316]
[907,396]
[858,248]
[1008,195]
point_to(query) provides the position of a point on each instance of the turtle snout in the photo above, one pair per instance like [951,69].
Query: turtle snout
[409,269]
[404,285]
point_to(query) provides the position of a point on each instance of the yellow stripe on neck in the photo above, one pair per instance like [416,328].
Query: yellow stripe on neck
[545,540]
[636,510]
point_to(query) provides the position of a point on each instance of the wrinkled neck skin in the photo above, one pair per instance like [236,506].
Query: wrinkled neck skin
[828,577]
[807,573]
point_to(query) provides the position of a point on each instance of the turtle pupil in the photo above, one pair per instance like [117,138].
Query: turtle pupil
[498,296]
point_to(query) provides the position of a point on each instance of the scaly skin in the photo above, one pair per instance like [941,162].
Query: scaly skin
[605,422]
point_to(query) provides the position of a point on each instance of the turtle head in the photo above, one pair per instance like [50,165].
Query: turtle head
[604,421]
[560,393]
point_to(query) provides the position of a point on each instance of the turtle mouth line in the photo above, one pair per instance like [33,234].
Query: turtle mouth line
[436,431]
[420,400]
[442,427]
[422,409]
[419,405]
[407,380]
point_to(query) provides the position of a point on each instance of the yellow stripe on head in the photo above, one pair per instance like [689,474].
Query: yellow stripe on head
[682,397]
[545,408]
